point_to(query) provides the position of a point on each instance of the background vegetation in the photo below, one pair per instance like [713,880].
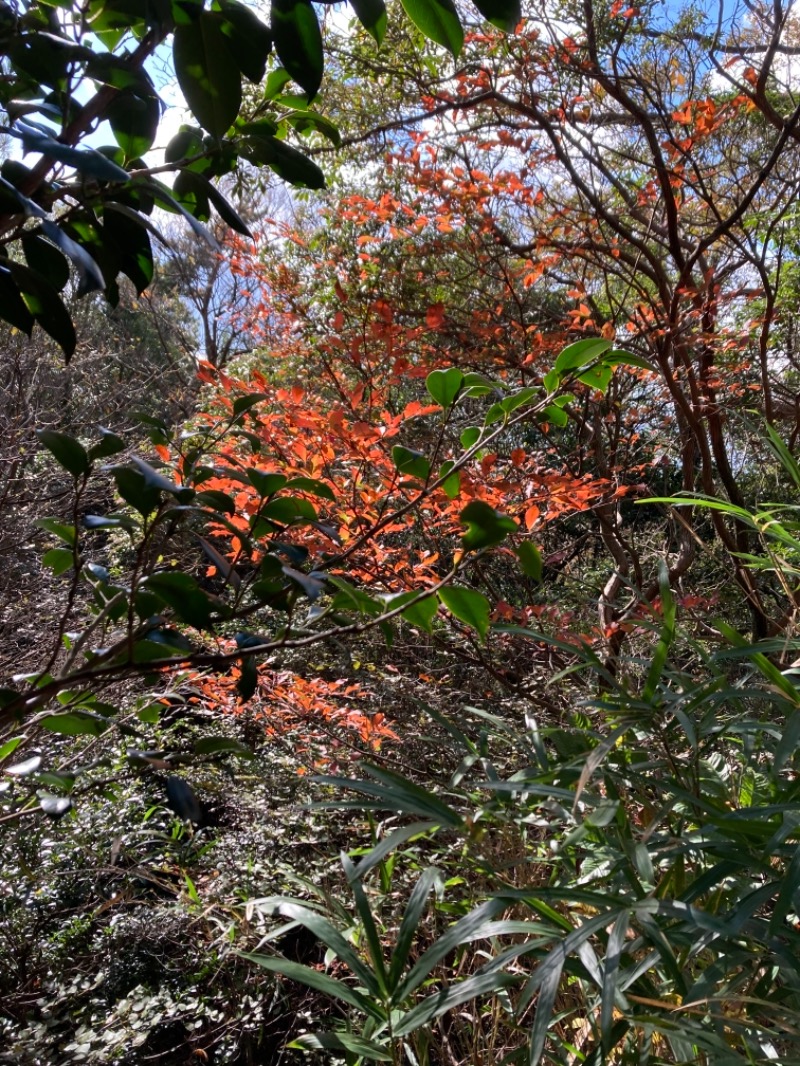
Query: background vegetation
[400,539]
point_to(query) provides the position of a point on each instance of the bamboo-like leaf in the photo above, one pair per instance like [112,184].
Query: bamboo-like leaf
[322,982]
[467,928]
[333,940]
[410,923]
[370,928]
[450,997]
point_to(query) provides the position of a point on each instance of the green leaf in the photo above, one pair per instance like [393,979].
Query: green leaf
[276,83]
[87,161]
[287,162]
[264,483]
[298,42]
[345,1042]
[183,800]
[46,306]
[250,40]
[505,14]
[13,308]
[444,385]
[182,593]
[66,533]
[55,806]
[415,908]
[486,527]
[470,437]
[372,16]
[10,747]
[317,980]
[109,444]
[135,491]
[134,118]
[438,20]
[555,415]
[619,357]
[581,353]
[248,679]
[530,560]
[76,723]
[599,377]
[26,768]
[421,613]
[453,995]
[312,485]
[467,606]
[207,72]
[45,259]
[410,462]
[669,611]
[130,238]
[59,560]
[452,483]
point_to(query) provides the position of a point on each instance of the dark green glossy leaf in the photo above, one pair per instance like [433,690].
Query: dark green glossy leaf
[134,119]
[13,308]
[182,593]
[67,451]
[581,353]
[45,305]
[250,40]
[89,273]
[410,462]
[87,161]
[26,768]
[55,806]
[135,491]
[248,679]
[467,606]
[298,42]
[372,16]
[486,527]
[131,240]
[287,162]
[207,72]
[438,20]
[109,444]
[505,14]
[46,260]
[444,385]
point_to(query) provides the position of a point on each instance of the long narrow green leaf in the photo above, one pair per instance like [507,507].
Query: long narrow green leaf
[370,928]
[453,996]
[392,798]
[346,1042]
[550,972]
[409,924]
[333,940]
[466,929]
[610,992]
[322,982]
[668,612]
[390,843]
